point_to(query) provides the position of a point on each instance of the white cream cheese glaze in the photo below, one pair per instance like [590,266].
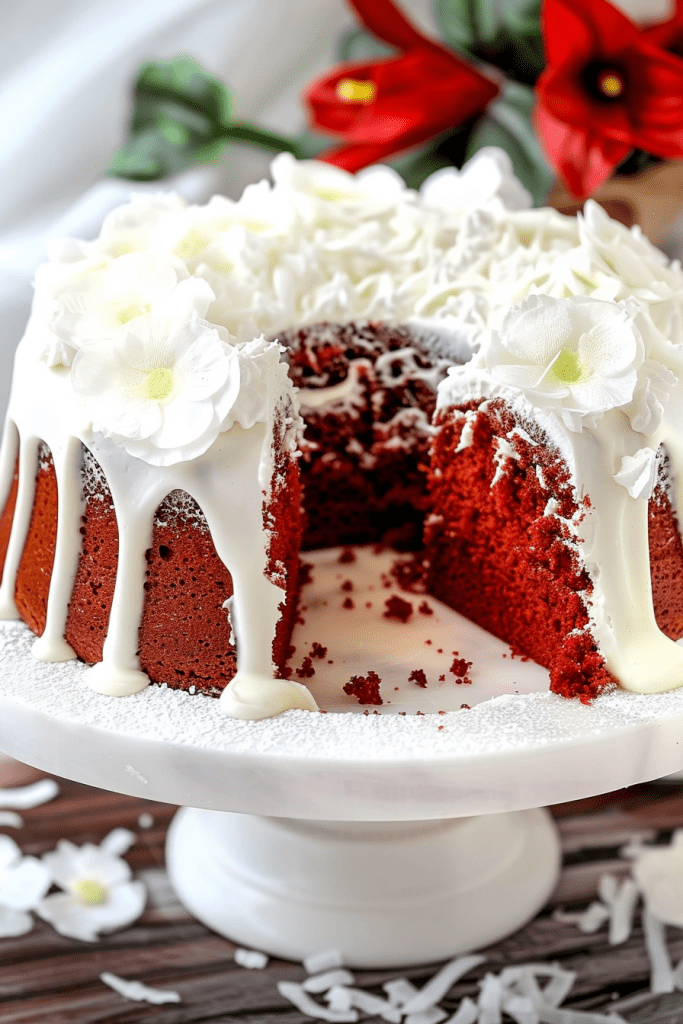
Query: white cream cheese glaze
[322,245]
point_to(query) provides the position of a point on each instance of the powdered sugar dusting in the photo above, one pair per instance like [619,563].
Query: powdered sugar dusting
[523,722]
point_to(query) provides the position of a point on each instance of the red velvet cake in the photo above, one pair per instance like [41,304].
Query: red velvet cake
[497,385]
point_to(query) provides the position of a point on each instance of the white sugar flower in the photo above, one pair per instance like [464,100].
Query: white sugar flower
[23,883]
[147,222]
[98,895]
[161,388]
[658,871]
[488,175]
[95,306]
[577,355]
[323,191]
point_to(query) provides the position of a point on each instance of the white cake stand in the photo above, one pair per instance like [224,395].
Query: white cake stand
[395,838]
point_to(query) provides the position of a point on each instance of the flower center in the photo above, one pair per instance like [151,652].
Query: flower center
[603,81]
[191,246]
[129,313]
[611,84]
[353,90]
[90,892]
[567,366]
[158,384]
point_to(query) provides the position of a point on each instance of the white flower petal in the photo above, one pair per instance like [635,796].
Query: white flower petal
[14,923]
[127,418]
[24,885]
[539,329]
[183,423]
[601,393]
[206,366]
[70,917]
[70,863]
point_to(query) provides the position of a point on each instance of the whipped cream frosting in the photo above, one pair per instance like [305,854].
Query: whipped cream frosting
[200,412]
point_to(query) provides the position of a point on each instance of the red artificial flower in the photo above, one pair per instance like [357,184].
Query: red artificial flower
[668,34]
[383,106]
[606,89]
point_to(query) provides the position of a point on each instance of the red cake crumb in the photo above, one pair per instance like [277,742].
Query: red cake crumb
[397,608]
[317,650]
[440,728]
[348,602]
[368,604]
[461,667]
[425,609]
[347,585]
[348,555]
[442,679]
[465,707]
[305,573]
[418,676]
[364,688]
[306,671]
[410,574]
[428,641]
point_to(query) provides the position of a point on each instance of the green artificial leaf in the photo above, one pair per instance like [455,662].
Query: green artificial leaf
[505,34]
[507,124]
[416,166]
[182,116]
[357,45]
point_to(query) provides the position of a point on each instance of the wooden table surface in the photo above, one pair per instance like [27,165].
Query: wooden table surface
[48,979]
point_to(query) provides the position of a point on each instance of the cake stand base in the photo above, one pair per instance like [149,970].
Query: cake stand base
[384,894]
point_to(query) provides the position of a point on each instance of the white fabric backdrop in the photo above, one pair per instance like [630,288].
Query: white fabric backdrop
[66,67]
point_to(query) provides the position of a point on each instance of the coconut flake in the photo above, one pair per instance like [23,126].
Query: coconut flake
[374,1005]
[252,959]
[661,976]
[11,819]
[431,1016]
[23,798]
[137,992]
[323,982]
[326,960]
[638,472]
[587,921]
[490,1000]
[295,994]
[435,989]
[467,1013]
[400,991]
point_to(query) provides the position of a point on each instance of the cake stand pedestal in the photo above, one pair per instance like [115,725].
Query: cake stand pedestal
[397,839]
[385,894]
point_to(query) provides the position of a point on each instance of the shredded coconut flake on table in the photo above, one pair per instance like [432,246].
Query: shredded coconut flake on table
[661,977]
[306,1004]
[400,992]
[439,985]
[326,960]
[252,959]
[11,819]
[527,993]
[137,992]
[23,798]
[323,982]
